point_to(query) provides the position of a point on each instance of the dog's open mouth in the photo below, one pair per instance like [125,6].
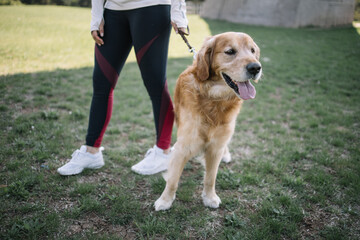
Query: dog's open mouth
[244,89]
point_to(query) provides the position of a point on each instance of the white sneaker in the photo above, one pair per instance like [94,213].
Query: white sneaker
[81,160]
[155,161]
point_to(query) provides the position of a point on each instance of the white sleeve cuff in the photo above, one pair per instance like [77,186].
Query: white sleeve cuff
[97,11]
[178,13]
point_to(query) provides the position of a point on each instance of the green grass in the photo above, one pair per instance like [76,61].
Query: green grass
[295,172]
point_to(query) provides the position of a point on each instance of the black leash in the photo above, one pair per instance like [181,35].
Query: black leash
[191,49]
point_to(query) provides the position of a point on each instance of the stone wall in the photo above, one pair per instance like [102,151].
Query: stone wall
[286,13]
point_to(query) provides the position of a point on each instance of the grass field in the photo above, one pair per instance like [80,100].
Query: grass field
[295,172]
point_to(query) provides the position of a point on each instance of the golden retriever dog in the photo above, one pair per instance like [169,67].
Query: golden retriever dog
[208,98]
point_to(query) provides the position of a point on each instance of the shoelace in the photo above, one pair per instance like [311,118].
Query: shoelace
[75,154]
[149,152]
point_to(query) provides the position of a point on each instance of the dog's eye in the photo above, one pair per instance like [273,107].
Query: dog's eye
[252,50]
[230,52]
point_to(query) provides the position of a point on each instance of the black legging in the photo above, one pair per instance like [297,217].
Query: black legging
[148,30]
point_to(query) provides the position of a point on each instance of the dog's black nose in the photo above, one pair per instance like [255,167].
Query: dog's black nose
[253,68]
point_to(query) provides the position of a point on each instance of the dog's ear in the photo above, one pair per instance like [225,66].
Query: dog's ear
[204,58]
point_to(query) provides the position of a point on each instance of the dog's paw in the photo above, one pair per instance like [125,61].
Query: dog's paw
[212,202]
[161,204]
[226,158]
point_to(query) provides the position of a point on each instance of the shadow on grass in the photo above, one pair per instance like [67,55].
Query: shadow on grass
[63,97]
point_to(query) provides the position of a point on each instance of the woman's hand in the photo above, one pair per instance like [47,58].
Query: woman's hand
[177,30]
[95,34]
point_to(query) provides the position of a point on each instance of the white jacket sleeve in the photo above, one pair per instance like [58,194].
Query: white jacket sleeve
[97,11]
[178,13]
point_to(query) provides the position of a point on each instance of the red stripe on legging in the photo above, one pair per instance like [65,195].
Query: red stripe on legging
[165,137]
[166,120]
[143,50]
[107,119]
[106,68]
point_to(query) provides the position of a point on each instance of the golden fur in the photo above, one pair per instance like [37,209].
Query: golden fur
[206,109]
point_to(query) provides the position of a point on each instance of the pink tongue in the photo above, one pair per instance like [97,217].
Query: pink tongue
[246,90]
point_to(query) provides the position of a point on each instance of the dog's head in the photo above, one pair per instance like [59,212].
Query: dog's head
[233,60]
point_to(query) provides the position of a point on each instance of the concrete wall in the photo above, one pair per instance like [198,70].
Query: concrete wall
[286,13]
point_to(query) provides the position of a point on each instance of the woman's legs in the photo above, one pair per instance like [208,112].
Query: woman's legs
[109,60]
[150,30]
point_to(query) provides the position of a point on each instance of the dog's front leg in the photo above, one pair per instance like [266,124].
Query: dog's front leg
[213,157]
[176,166]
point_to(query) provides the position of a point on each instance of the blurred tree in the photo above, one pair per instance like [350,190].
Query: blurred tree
[357,11]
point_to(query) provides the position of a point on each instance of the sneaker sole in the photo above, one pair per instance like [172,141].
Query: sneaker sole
[69,173]
[95,166]
[80,170]
[149,172]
